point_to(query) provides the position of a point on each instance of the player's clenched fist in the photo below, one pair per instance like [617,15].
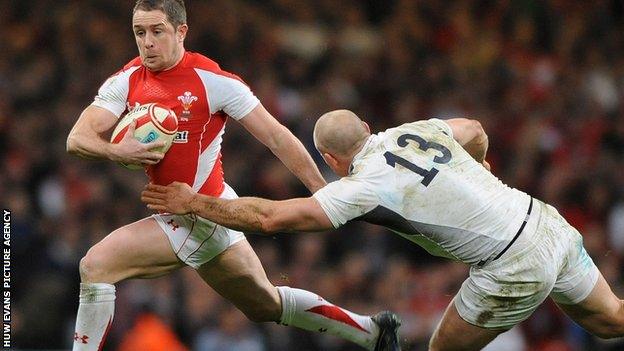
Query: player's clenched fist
[174,198]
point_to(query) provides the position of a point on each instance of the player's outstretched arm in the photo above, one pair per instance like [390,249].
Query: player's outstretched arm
[85,140]
[470,134]
[262,125]
[245,213]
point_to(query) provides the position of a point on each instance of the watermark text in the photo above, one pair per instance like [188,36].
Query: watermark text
[6,279]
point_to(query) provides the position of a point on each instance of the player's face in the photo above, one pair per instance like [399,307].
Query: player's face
[159,43]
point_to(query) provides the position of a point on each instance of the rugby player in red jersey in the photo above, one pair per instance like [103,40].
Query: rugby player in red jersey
[204,97]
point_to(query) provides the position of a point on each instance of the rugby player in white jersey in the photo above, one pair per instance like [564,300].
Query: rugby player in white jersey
[428,181]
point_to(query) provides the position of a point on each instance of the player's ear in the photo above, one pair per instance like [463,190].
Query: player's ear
[324,156]
[181,32]
[366,126]
[331,161]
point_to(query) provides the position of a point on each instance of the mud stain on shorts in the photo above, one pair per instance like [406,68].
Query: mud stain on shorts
[484,317]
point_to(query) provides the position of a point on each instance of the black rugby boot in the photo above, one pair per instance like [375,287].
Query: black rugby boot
[389,324]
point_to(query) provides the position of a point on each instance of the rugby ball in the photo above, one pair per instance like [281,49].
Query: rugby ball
[154,122]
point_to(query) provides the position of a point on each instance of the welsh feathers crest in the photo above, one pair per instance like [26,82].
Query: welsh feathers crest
[187,100]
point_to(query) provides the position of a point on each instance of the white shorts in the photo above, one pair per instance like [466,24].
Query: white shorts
[548,258]
[197,240]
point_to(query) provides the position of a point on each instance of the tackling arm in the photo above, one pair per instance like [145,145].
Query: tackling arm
[470,135]
[284,145]
[85,139]
[246,213]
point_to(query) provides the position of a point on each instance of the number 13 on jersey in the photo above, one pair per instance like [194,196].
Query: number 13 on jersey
[424,145]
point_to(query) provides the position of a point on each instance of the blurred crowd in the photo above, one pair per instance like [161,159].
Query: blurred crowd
[545,78]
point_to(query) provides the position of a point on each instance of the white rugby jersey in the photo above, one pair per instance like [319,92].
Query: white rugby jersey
[419,182]
[203,96]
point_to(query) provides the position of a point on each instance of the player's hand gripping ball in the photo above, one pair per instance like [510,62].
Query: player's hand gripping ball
[154,122]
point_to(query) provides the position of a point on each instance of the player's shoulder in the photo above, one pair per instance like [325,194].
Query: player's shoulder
[198,61]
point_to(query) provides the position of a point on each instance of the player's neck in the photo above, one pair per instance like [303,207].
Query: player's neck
[349,160]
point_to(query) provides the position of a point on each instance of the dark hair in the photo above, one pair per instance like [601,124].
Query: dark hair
[174,9]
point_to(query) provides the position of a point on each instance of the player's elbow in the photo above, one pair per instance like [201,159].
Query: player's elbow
[269,225]
[281,138]
[275,223]
[262,220]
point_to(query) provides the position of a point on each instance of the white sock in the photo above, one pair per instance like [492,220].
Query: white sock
[306,310]
[95,316]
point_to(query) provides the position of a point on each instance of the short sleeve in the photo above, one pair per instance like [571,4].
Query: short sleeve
[345,199]
[113,94]
[442,125]
[228,94]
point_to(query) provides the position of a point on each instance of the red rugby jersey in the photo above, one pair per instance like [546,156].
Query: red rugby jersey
[203,96]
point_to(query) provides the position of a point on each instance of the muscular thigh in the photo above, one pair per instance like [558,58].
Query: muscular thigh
[137,250]
[601,312]
[582,292]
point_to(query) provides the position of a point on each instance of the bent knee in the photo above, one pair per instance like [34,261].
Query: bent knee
[94,267]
